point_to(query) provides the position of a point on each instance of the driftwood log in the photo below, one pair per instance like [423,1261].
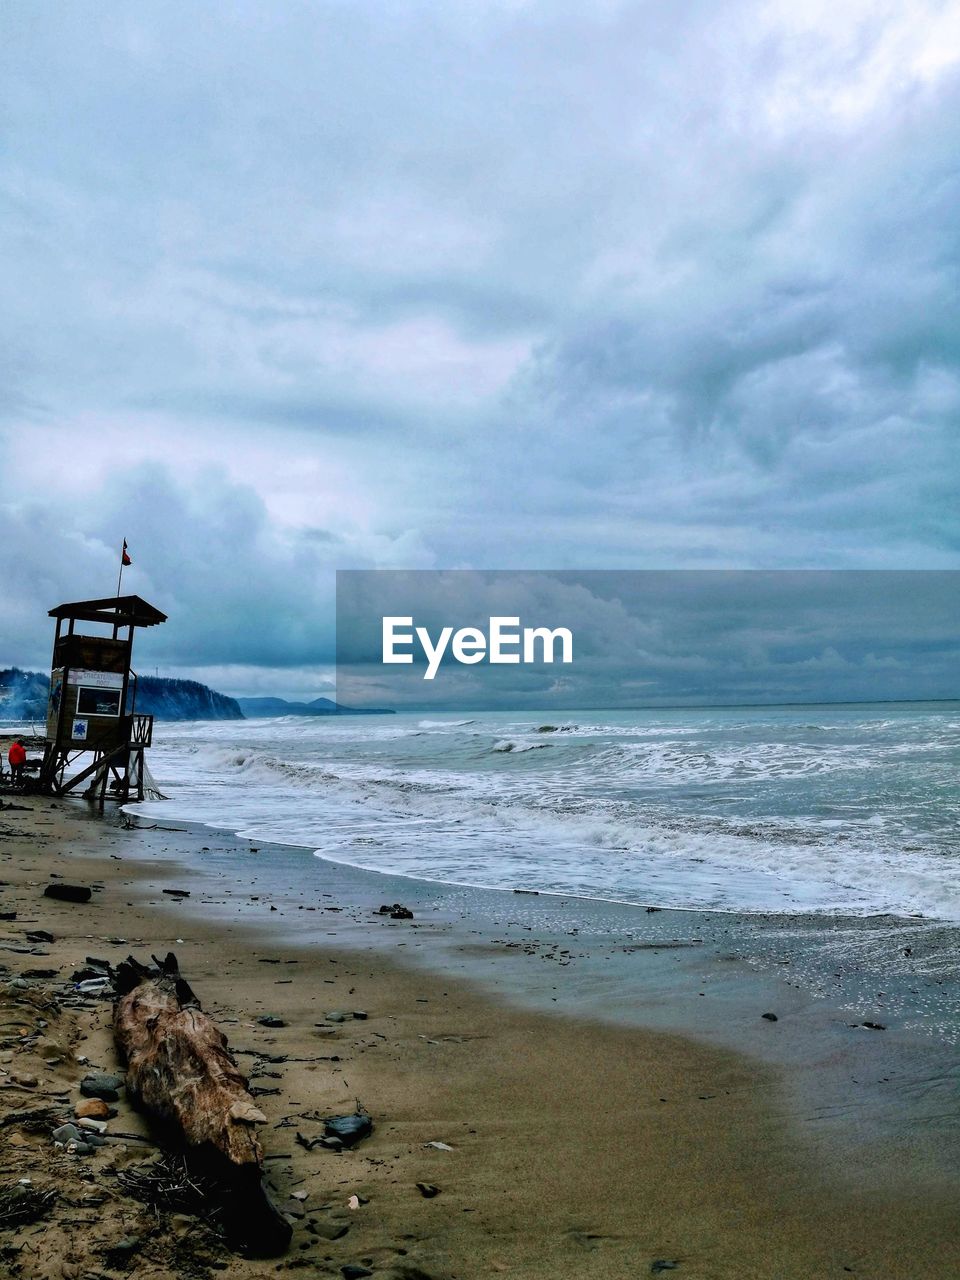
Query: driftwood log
[180,1070]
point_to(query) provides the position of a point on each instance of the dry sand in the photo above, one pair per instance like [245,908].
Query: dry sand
[579,1150]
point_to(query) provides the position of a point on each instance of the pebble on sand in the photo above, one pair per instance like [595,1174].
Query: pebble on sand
[101,1085]
[92,1109]
[348,1129]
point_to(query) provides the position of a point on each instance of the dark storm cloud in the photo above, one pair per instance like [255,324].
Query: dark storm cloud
[206,554]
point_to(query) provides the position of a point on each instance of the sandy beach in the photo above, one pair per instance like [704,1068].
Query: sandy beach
[578,1148]
[480,584]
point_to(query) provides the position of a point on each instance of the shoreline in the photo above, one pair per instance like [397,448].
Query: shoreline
[849,964]
[704,975]
[575,1167]
[428,799]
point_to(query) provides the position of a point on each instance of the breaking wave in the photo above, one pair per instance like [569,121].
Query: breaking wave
[759,812]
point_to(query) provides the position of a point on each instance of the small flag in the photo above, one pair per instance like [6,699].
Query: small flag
[124,558]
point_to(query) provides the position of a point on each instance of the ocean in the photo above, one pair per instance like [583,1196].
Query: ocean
[831,809]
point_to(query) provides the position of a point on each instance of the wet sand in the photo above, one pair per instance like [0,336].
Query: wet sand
[581,1148]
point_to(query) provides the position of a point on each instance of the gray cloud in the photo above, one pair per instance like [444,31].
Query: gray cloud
[239,591]
[658,637]
[497,283]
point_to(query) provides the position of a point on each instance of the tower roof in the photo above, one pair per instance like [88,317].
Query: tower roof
[115,611]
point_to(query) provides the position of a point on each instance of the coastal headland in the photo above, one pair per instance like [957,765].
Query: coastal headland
[559,1142]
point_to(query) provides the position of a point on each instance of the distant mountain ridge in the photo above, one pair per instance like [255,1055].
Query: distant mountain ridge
[23,696]
[258,708]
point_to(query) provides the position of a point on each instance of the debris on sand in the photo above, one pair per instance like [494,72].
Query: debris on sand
[21,1203]
[166,1184]
[396,912]
[68,892]
[36,1120]
[180,1070]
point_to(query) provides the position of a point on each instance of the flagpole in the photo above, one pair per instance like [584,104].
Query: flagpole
[120,574]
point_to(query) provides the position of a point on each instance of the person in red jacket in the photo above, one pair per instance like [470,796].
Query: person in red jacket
[17,756]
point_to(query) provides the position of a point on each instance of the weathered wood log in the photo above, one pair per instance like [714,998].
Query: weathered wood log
[180,1070]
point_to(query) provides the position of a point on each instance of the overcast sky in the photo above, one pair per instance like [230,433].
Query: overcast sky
[648,638]
[290,286]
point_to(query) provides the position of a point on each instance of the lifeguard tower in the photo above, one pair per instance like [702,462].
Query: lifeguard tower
[91,710]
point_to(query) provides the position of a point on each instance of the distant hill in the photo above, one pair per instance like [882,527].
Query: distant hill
[184,700]
[254,708]
[23,696]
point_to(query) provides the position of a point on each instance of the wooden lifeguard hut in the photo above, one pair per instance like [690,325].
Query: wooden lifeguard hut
[91,710]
